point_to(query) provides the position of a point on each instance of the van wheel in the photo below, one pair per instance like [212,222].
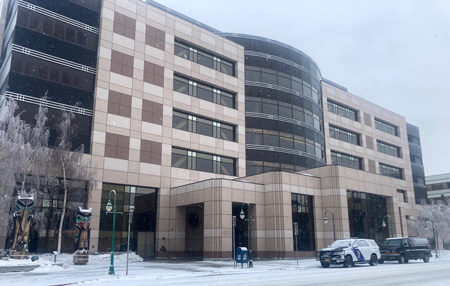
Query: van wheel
[381,261]
[348,261]
[426,258]
[324,264]
[401,259]
[373,260]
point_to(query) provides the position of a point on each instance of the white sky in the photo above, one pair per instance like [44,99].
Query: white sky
[393,53]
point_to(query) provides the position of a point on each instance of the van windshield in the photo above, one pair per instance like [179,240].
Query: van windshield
[392,242]
[341,243]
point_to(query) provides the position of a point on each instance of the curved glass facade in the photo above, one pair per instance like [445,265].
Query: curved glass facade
[418,172]
[283,105]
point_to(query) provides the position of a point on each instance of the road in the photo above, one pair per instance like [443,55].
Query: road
[414,273]
[265,272]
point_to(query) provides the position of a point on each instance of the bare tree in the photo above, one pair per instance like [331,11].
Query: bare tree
[23,152]
[70,163]
[11,141]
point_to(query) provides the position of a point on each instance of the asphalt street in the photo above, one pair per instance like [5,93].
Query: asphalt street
[264,272]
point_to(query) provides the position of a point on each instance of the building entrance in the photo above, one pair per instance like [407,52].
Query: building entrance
[194,232]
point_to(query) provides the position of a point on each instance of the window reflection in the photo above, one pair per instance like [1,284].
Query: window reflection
[204,162]
[189,52]
[203,91]
[204,126]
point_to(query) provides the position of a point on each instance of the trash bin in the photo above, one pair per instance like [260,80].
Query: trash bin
[242,256]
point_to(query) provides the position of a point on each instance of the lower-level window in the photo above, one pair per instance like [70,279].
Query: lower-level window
[302,214]
[143,201]
[204,162]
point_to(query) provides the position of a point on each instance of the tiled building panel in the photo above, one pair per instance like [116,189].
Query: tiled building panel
[117,146]
[122,63]
[370,133]
[150,152]
[155,37]
[119,104]
[125,26]
[153,74]
[152,112]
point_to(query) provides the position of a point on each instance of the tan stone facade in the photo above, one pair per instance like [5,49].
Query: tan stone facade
[133,137]
[132,130]
[401,204]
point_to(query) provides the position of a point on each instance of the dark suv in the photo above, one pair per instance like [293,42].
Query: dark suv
[402,249]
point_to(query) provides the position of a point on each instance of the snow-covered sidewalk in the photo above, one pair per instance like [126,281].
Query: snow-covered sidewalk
[168,272]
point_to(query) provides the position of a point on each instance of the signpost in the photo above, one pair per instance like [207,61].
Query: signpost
[234,241]
[296,241]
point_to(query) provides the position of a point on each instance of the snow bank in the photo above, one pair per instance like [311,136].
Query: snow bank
[65,261]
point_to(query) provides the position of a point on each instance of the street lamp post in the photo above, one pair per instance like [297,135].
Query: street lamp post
[392,226]
[325,220]
[130,218]
[242,216]
[434,237]
[109,207]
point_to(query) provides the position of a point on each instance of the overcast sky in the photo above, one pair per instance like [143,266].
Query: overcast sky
[393,53]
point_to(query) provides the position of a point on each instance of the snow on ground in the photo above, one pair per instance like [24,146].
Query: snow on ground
[219,272]
[46,261]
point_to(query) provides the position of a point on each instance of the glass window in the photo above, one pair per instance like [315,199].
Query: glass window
[269,77]
[227,68]
[386,127]
[182,51]
[342,110]
[270,107]
[200,125]
[189,52]
[205,59]
[179,158]
[391,171]
[203,91]
[344,135]
[388,149]
[252,75]
[346,160]
[203,162]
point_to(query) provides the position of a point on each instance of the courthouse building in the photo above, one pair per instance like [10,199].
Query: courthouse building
[189,125]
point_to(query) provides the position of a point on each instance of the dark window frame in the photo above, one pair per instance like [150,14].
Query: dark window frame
[388,149]
[386,127]
[192,87]
[341,133]
[220,164]
[197,55]
[391,171]
[346,160]
[343,110]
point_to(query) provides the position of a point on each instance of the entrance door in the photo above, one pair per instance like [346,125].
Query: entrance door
[241,230]
[194,232]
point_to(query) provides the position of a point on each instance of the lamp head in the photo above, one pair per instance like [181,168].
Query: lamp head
[383,224]
[242,214]
[325,219]
[109,206]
